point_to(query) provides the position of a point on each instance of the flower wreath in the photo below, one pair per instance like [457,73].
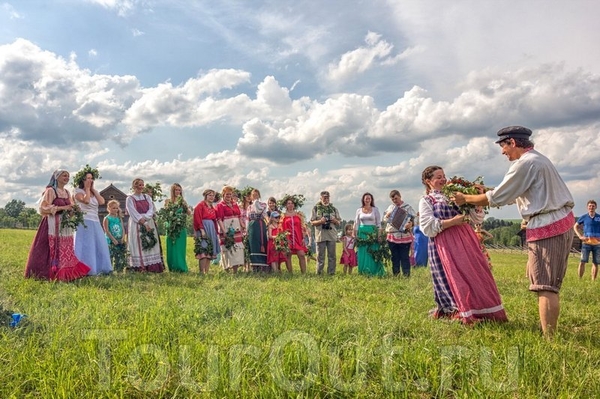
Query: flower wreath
[80,176]
[297,199]
[243,193]
[203,246]
[72,218]
[461,185]
[282,242]
[376,247]
[147,238]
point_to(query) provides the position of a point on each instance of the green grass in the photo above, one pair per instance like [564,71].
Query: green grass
[245,335]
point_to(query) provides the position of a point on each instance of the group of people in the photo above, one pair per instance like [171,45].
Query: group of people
[71,242]
[259,236]
[240,232]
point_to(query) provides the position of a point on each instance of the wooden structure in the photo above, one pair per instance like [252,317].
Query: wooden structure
[113,193]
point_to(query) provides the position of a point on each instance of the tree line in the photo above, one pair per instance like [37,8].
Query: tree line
[15,215]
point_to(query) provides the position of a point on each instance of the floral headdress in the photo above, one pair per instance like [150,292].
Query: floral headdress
[80,176]
[297,199]
[245,192]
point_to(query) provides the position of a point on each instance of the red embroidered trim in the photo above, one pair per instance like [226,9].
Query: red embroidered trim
[552,230]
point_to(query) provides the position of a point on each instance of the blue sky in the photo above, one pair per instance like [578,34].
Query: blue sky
[295,96]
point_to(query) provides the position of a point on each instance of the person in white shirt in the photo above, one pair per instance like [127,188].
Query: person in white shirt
[546,204]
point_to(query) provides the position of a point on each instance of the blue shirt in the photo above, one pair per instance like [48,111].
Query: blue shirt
[591,226]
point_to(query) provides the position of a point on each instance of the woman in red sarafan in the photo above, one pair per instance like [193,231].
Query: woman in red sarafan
[52,253]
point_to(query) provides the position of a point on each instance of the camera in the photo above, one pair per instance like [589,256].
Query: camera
[327,224]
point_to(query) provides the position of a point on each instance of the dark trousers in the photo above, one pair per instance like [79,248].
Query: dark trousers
[400,257]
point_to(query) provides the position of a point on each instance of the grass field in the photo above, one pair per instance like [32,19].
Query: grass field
[222,335]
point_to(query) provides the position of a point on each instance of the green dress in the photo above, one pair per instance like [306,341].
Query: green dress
[366,264]
[176,251]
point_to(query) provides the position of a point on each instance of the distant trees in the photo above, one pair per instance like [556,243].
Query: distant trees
[507,235]
[15,215]
[493,223]
[14,207]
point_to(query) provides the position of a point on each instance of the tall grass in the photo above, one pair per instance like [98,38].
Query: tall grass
[269,336]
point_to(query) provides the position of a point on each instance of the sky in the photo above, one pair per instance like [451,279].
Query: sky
[295,97]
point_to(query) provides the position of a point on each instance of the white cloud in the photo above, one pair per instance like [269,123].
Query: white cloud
[358,61]
[122,7]
[221,103]
[11,11]
[47,99]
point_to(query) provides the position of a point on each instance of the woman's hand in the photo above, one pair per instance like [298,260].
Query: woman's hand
[458,220]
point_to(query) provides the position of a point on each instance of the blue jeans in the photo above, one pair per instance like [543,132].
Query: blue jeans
[400,258]
[585,253]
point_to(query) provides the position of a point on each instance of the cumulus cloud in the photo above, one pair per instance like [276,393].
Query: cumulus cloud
[376,52]
[351,124]
[357,61]
[47,99]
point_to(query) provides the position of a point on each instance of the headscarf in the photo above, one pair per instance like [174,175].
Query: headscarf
[53,182]
[54,179]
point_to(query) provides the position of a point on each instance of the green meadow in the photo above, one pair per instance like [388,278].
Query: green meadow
[284,336]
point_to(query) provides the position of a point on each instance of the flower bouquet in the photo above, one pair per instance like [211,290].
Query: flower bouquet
[282,242]
[72,218]
[461,185]
[376,247]
[229,239]
[147,238]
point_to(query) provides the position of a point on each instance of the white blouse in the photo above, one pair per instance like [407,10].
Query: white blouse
[133,213]
[367,219]
[90,210]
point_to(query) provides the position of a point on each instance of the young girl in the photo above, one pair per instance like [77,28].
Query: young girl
[483,235]
[348,254]
[274,257]
[113,229]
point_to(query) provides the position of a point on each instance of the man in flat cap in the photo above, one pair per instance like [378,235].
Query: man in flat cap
[325,217]
[545,203]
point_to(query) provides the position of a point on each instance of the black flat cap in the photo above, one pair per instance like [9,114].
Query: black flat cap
[513,132]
